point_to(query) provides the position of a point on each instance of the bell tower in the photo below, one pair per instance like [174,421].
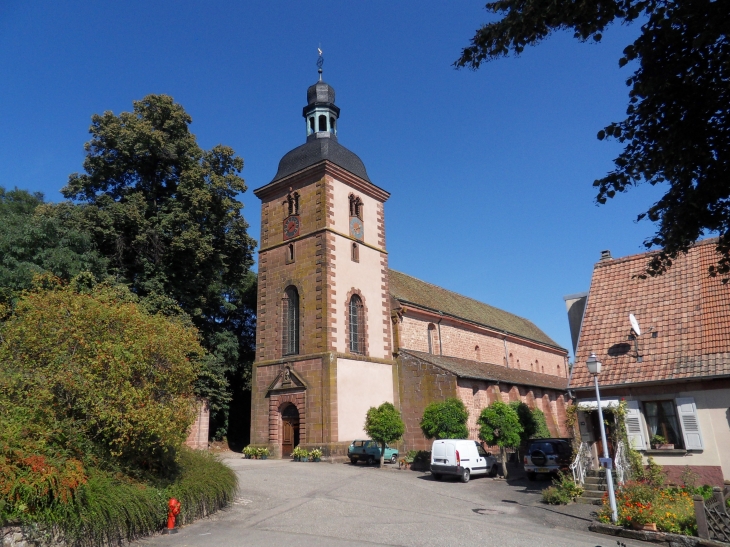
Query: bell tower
[324,350]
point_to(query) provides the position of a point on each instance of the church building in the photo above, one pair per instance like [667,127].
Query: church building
[339,332]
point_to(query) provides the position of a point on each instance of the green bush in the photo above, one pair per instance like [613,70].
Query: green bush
[110,509]
[95,403]
[541,428]
[555,496]
[445,420]
[563,491]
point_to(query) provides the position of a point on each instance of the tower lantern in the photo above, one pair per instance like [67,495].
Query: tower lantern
[321,114]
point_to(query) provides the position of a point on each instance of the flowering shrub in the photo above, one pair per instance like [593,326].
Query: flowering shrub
[638,502]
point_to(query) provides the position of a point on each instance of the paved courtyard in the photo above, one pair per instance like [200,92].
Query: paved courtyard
[308,504]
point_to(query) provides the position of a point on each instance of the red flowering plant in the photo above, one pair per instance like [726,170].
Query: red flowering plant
[635,502]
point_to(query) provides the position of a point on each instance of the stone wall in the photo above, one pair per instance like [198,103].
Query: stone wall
[15,535]
[316,413]
[198,436]
[478,394]
[305,272]
[419,384]
[467,341]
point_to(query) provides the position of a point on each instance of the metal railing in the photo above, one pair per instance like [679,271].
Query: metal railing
[622,464]
[582,463]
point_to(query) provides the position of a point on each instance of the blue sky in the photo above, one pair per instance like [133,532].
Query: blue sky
[490,172]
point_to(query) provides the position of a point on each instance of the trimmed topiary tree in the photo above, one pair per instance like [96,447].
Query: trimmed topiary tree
[445,420]
[499,425]
[384,425]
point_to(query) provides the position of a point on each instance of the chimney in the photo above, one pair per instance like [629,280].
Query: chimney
[605,255]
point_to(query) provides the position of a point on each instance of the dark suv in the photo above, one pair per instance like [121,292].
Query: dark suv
[548,456]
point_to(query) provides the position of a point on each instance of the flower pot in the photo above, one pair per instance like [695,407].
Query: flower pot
[649,527]
[317,460]
[264,456]
[665,447]
[295,458]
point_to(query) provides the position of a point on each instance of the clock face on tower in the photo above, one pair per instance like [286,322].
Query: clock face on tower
[291,227]
[356,229]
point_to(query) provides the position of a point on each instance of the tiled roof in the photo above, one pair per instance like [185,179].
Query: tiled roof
[688,310]
[407,289]
[466,368]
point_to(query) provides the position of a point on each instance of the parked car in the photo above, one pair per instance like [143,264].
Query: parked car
[547,456]
[369,452]
[462,458]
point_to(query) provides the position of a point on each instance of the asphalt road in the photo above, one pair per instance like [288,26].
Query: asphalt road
[320,504]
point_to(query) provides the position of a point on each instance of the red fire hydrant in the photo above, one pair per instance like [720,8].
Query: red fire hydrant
[173,510]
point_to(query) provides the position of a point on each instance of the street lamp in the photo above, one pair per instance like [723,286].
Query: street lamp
[594,367]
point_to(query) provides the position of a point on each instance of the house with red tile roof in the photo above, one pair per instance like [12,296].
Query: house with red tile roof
[674,373]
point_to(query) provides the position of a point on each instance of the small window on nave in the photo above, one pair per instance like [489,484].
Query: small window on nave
[431,335]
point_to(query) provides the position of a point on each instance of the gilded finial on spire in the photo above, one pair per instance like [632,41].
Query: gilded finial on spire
[320,62]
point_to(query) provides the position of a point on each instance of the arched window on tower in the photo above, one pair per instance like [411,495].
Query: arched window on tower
[290,314]
[290,253]
[355,252]
[322,123]
[311,124]
[357,325]
[332,125]
[431,333]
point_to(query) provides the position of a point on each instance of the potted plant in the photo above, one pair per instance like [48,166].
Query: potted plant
[249,452]
[300,454]
[316,455]
[660,443]
[262,453]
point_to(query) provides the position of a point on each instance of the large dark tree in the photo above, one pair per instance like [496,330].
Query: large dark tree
[33,243]
[165,213]
[677,129]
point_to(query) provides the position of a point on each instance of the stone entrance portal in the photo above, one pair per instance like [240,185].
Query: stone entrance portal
[290,429]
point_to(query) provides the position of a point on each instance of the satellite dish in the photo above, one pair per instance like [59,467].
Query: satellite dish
[634,324]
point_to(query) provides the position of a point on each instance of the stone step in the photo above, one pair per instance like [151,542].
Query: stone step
[596,481]
[597,487]
[593,494]
[589,501]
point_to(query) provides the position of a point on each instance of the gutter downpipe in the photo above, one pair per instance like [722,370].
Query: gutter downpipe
[506,355]
[441,347]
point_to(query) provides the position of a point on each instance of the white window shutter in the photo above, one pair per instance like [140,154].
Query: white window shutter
[634,429]
[687,411]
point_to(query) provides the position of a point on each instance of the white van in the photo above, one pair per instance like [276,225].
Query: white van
[462,458]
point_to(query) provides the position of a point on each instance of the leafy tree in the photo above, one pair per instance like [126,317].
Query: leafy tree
[499,425]
[541,428]
[165,213]
[445,420]
[384,425]
[32,243]
[87,372]
[527,420]
[677,129]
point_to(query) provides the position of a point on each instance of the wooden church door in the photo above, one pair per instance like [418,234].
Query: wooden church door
[290,432]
